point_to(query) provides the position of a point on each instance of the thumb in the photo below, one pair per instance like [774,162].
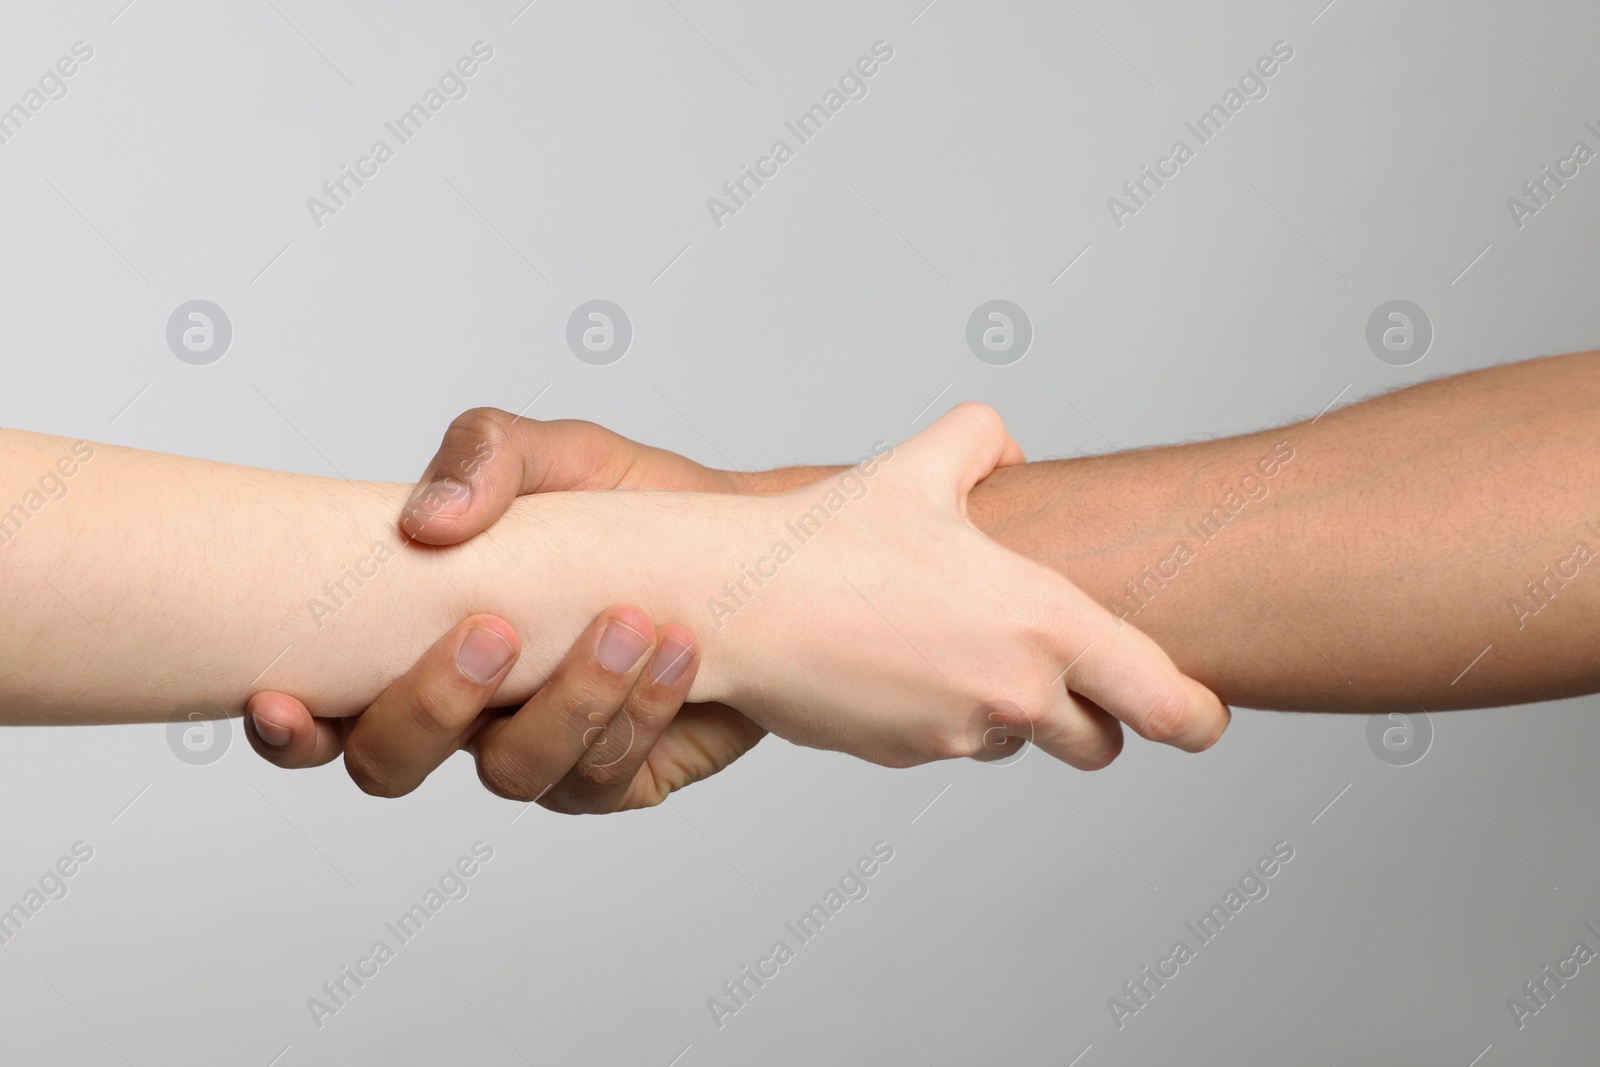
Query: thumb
[282,731]
[490,457]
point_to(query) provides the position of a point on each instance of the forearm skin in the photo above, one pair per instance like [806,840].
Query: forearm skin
[1429,548]
[142,583]
[1407,535]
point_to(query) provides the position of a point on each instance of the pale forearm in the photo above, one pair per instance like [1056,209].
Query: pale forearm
[142,582]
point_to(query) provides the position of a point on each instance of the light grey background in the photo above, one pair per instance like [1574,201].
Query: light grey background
[830,312]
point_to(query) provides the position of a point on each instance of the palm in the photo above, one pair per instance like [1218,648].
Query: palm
[700,741]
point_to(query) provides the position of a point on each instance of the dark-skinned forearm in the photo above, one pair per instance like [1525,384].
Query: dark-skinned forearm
[1427,548]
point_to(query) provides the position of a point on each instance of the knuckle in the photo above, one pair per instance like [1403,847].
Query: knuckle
[1011,716]
[1095,761]
[370,775]
[602,772]
[588,433]
[590,789]
[959,743]
[588,694]
[564,801]
[1092,740]
[1166,716]
[1001,722]
[984,413]
[473,428]
[604,762]
[1051,629]
[1099,756]
[589,717]
[474,439]
[479,424]
[988,420]
[434,711]
[505,776]
[649,716]
[601,448]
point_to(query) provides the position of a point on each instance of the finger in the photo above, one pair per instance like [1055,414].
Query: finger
[1069,727]
[490,457]
[604,775]
[282,730]
[524,755]
[961,448]
[421,719]
[1125,672]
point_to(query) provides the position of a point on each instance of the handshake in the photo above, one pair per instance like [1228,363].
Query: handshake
[856,609]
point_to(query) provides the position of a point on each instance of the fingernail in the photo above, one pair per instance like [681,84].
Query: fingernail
[620,647]
[270,732]
[437,500]
[483,655]
[670,661]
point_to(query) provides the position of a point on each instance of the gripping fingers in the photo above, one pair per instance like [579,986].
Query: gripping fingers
[523,756]
[1069,727]
[422,718]
[1125,672]
[604,777]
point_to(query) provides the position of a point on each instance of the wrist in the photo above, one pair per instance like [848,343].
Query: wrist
[774,482]
[766,601]
[555,559]
[724,575]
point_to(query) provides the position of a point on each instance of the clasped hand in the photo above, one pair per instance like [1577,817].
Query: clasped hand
[857,610]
